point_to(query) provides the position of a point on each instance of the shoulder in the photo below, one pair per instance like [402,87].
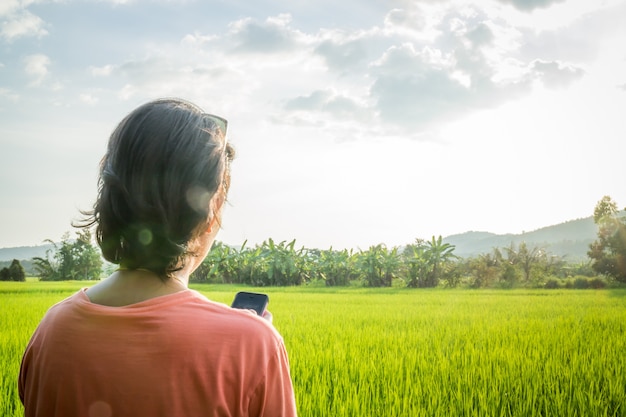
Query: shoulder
[58,317]
[66,306]
[236,317]
[203,317]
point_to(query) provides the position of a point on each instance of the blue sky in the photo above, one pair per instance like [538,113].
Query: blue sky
[355,122]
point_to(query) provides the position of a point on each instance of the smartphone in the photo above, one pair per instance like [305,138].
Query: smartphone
[251,301]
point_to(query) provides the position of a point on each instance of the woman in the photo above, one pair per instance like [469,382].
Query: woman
[140,343]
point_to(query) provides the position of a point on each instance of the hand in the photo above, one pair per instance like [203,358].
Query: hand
[268,316]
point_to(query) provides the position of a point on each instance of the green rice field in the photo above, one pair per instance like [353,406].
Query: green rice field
[401,352]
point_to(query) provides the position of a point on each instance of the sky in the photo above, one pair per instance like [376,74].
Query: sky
[356,122]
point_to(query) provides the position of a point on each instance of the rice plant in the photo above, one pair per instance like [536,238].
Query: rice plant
[402,352]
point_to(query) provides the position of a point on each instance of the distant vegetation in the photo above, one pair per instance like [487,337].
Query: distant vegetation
[70,260]
[426,263]
[421,264]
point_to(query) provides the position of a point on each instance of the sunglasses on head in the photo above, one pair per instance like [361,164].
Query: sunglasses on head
[221,123]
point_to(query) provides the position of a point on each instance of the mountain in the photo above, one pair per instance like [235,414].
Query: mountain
[570,240]
[24,252]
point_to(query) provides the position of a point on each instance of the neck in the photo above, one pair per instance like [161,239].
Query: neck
[178,278]
[130,286]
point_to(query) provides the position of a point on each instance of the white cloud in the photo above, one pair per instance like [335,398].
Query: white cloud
[332,104]
[197,40]
[127,92]
[8,7]
[466,67]
[170,74]
[556,74]
[426,65]
[441,63]
[37,67]
[274,35]
[344,54]
[529,5]
[9,94]
[561,15]
[412,89]
[88,99]
[22,24]
[103,71]
[452,62]
[413,21]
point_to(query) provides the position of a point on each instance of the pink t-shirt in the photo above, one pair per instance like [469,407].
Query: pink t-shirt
[174,355]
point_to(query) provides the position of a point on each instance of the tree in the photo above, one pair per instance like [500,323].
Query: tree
[271,263]
[87,260]
[284,264]
[378,265]
[71,260]
[4,274]
[16,271]
[438,256]
[222,265]
[416,263]
[44,267]
[526,258]
[485,269]
[608,251]
[335,267]
[605,209]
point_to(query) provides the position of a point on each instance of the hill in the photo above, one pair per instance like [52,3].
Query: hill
[570,240]
[24,252]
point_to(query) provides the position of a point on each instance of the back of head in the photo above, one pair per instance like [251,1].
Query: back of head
[164,164]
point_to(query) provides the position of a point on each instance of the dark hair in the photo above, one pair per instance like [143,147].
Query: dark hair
[164,163]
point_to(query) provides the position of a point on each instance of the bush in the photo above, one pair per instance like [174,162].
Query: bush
[317,283]
[552,284]
[581,283]
[597,283]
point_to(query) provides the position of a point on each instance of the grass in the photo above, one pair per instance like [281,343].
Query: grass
[399,352]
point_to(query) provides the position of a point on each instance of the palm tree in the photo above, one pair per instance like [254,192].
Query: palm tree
[525,257]
[437,255]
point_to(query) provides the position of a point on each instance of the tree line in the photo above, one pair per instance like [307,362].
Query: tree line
[421,264]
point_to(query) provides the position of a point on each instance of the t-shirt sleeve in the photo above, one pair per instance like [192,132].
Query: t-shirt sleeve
[21,382]
[274,396]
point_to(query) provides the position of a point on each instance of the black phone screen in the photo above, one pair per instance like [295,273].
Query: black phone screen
[251,301]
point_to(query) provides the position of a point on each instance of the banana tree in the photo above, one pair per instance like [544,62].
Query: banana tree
[416,263]
[336,268]
[438,256]
[220,265]
[378,265]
